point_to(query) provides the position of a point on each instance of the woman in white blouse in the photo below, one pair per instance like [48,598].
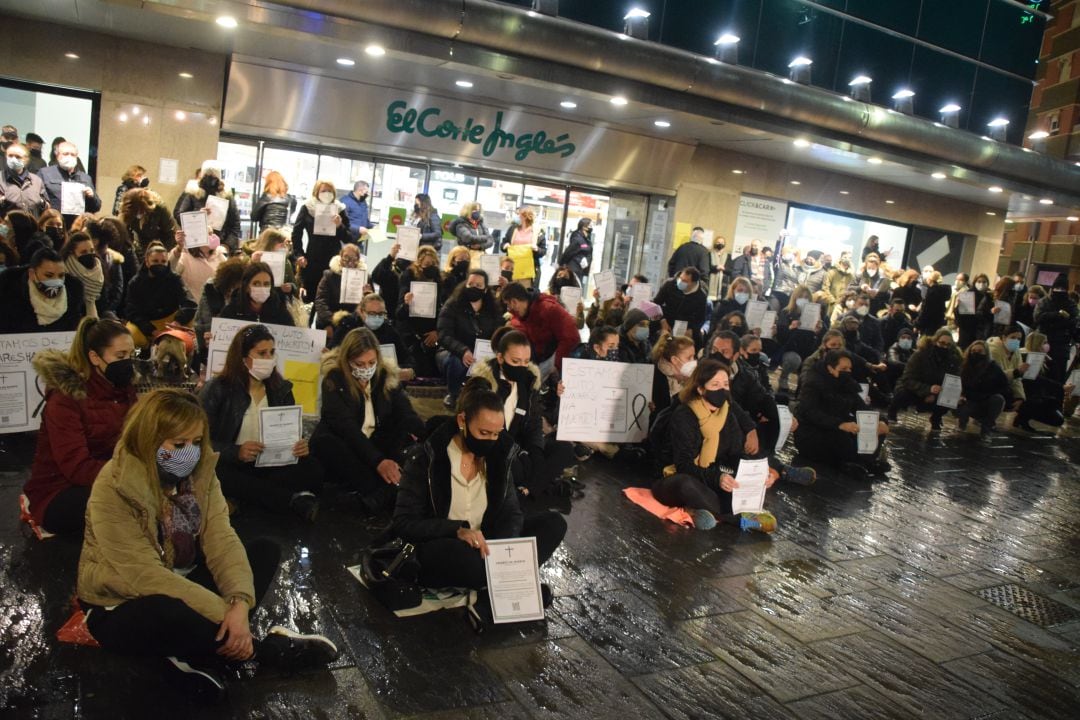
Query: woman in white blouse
[461,492]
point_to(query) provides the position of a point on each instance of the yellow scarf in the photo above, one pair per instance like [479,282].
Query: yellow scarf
[711,423]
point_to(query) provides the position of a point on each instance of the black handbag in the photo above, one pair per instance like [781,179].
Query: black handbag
[391,571]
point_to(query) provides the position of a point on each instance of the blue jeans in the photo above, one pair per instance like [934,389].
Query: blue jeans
[456,373]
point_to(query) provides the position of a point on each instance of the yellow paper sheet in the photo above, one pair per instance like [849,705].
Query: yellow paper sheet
[305,379]
[524,267]
[682,234]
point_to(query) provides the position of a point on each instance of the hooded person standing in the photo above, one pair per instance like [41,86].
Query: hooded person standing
[66,170]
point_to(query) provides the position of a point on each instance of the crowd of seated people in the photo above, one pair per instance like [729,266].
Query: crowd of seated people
[724,390]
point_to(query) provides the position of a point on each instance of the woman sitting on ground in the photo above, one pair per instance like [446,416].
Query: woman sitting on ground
[985,390]
[88,392]
[470,314]
[461,491]
[328,296]
[162,571]
[675,363]
[796,342]
[258,300]
[248,384]
[827,430]
[920,383]
[366,420]
[708,438]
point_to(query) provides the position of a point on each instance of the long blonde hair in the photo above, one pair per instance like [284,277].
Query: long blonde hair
[457,254]
[356,342]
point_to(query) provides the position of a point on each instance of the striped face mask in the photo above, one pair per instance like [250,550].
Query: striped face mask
[180,462]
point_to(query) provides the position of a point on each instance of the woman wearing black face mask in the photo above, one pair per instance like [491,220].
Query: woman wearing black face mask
[470,230]
[420,333]
[133,177]
[565,277]
[88,391]
[461,491]
[427,218]
[156,296]
[707,435]
[455,270]
[828,430]
[976,325]
[985,390]
[82,261]
[194,198]
[469,315]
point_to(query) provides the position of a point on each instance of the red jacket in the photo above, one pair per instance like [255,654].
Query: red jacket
[550,329]
[80,425]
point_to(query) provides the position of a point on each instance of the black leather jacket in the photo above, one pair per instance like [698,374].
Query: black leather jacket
[225,406]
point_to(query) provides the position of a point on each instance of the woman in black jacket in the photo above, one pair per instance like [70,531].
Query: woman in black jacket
[469,315]
[258,300]
[827,430]
[986,390]
[708,436]
[461,490]
[976,326]
[328,296]
[41,297]
[796,342]
[275,205]
[420,333]
[155,297]
[579,250]
[194,198]
[366,421]
[427,218]
[314,257]
[233,400]
[920,383]
[936,300]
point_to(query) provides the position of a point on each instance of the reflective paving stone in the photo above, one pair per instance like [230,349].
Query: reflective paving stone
[712,690]
[1017,683]
[857,703]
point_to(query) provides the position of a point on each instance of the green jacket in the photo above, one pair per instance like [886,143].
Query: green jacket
[925,370]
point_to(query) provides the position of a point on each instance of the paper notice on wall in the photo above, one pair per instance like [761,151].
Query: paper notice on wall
[605,401]
[298,352]
[22,392]
[168,171]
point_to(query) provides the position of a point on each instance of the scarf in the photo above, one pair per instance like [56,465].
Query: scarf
[180,521]
[93,281]
[711,423]
[48,310]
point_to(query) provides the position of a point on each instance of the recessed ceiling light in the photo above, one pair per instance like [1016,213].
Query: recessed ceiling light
[903,94]
[212,120]
[661,123]
[727,38]
[181,115]
[1046,201]
[568,104]
[375,50]
[71,56]
[939,176]
[1073,218]
[796,182]
[135,110]
[1009,222]
[1038,135]
[122,117]
[146,120]
[739,172]
[874,160]
[950,108]
[997,122]
[463,84]
[995,189]
[346,62]
[991,214]
[186,75]
[801,143]
[226,21]
[890,202]
[844,192]
[619,100]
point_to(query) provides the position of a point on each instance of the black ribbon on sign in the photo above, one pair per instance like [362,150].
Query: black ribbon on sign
[638,411]
[41,393]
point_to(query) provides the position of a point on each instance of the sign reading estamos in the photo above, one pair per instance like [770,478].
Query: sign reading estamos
[400,118]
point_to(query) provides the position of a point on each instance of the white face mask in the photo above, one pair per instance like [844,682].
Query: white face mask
[262,368]
[688,368]
[326,197]
[260,294]
[67,162]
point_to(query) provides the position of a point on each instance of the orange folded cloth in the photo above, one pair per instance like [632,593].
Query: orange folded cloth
[74,630]
[644,498]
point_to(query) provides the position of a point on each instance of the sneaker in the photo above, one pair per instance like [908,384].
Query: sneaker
[986,438]
[761,521]
[1023,425]
[799,475]
[200,682]
[582,452]
[287,648]
[448,401]
[305,505]
[703,519]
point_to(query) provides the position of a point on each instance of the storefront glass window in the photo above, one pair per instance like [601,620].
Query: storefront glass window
[239,162]
[499,200]
[345,172]
[298,168]
[548,203]
[593,206]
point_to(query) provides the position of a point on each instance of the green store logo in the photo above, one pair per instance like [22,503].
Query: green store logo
[400,118]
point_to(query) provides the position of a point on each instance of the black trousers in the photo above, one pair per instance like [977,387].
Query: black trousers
[986,411]
[686,491]
[542,471]
[343,464]
[271,488]
[903,398]
[448,562]
[832,446]
[768,428]
[164,626]
[66,512]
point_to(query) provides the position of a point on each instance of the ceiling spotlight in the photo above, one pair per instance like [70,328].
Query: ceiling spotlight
[727,48]
[346,62]
[1039,135]
[997,122]
[619,100]
[844,192]
[738,172]
[181,115]
[146,120]
[1046,201]
[122,117]
[902,101]
[801,143]
[998,128]
[226,21]
[890,202]
[661,123]
[938,176]
[636,23]
[799,69]
[463,84]
[874,160]
[796,182]
[991,213]
[375,50]
[186,75]
[568,104]
[71,56]
[860,88]
[212,120]
[135,110]
[1073,218]
[950,115]
[996,189]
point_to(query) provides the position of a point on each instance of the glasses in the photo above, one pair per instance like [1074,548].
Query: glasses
[376,314]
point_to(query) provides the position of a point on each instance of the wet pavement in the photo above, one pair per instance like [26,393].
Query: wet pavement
[949,589]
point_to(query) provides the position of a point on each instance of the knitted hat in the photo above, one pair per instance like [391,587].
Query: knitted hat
[632,318]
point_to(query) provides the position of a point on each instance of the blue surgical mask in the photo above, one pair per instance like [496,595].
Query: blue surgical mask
[1012,345]
[682,285]
[641,334]
[904,343]
[374,322]
[180,462]
[741,297]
